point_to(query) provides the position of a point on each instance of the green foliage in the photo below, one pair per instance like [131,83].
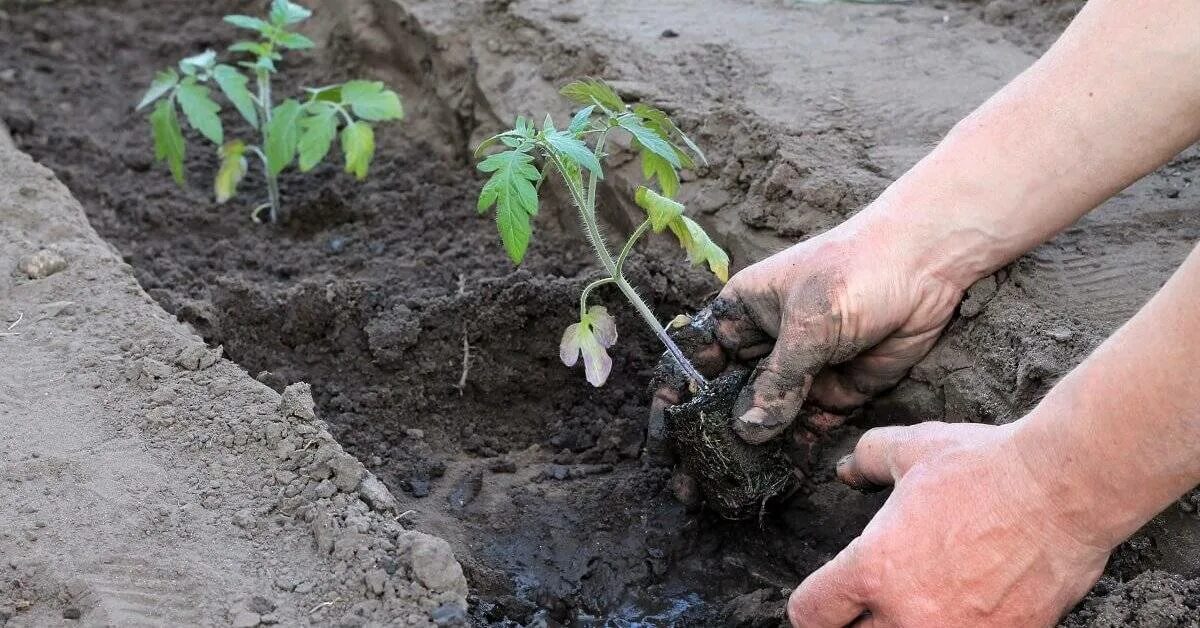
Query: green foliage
[578,150]
[292,128]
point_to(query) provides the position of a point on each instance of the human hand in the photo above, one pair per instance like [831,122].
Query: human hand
[970,536]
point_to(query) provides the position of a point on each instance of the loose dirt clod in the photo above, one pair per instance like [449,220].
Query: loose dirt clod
[736,478]
[41,264]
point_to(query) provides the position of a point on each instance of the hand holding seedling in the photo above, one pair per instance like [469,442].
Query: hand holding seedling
[576,154]
[293,127]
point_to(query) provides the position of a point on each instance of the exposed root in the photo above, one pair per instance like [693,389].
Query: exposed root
[466,344]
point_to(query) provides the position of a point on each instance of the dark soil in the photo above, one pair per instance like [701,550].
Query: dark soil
[368,293]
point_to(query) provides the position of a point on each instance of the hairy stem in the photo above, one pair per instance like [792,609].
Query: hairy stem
[586,203]
[264,103]
[637,235]
[583,296]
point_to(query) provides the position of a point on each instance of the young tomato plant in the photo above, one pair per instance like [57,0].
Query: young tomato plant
[576,153]
[293,127]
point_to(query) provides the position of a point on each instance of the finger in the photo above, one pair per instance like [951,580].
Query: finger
[830,597]
[847,386]
[696,336]
[738,331]
[658,447]
[771,400]
[882,456]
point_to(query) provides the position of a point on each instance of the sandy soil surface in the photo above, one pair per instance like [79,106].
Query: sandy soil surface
[805,110]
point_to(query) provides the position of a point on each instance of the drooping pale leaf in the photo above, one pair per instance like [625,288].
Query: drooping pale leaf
[648,138]
[594,92]
[284,12]
[248,22]
[580,121]
[370,100]
[590,338]
[655,167]
[573,149]
[511,189]
[661,210]
[163,82]
[316,136]
[282,135]
[198,64]
[700,248]
[233,84]
[200,110]
[294,41]
[358,145]
[168,137]
[233,168]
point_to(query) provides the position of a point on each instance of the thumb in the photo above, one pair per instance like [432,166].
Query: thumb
[772,399]
[884,454]
[830,597]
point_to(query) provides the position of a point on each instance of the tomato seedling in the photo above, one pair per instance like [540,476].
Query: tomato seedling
[577,154]
[293,127]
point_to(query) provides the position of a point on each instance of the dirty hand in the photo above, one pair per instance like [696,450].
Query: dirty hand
[969,537]
[835,319]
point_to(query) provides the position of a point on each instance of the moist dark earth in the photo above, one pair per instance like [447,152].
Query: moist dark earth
[374,292]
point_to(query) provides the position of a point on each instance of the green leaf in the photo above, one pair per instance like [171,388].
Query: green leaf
[294,41]
[247,22]
[594,92]
[316,136]
[200,110]
[358,145]
[655,167]
[566,145]
[648,138]
[233,168]
[662,210]
[330,93]
[580,121]
[253,47]
[163,82]
[233,84]
[168,137]
[659,121]
[700,248]
[282,135]
[370,100]
[511,189]
[284,12]
[198,64]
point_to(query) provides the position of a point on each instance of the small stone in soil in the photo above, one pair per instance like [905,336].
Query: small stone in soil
[246,619]
[41,264]
[448,615]
[419,488]
[502,465]
[669,34]
[71,612]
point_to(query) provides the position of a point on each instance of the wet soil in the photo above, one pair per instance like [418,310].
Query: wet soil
[373,292]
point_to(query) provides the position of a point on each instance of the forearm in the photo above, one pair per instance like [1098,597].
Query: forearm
[1118,439]
[1113,99]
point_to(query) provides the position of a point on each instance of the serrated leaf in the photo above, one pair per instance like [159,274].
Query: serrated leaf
[168,137]
[282,135]
[580,121]
[574,150]
[248,22]
[200,110]
[594,92]
[198,64]
[233,84]
[700,248]
[316,136]
[294,41]
[648,138]
[661,210]
[655,167]
[370,100]
[511,189]
[358,145]
[657,120]
[163,82]
[232,170]
[284,12]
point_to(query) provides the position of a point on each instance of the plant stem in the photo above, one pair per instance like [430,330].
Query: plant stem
[587,213]
[637,235]
[583,296]
[264,103]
